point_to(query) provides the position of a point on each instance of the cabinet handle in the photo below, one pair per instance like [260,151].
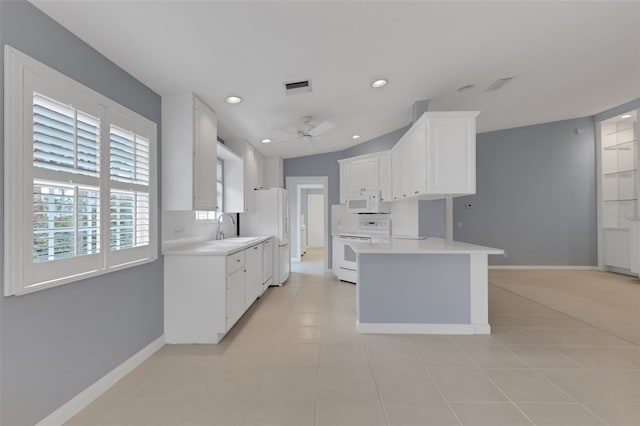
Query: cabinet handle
[404,195]
[255,248]
[237,260]
[415,192]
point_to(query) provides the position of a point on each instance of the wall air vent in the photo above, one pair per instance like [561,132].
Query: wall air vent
[293,87]
[498,84]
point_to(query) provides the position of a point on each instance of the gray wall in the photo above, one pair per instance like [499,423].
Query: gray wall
[56,342]
[414,288]
[536,195]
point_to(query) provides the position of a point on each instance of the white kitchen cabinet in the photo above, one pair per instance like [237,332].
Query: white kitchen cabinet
[344,180]
[260,165]
[249,177]
[384,177]
[363,174]
[204,296]
[401,169]
[274,172]
[236,301]
[253,276]
[189,148]
[436,157]
[267,264]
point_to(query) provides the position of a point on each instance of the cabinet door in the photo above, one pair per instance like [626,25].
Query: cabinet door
[249,177]
[418,140]
[235,297]
[451,155]
[253,276]
[205,158]
[396,173]
[345,177]
[267,261]
[405,168]
[384,177]
[260,170]
[370,174]
[357,175]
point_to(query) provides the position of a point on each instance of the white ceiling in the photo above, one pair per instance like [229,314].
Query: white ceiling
[569,59]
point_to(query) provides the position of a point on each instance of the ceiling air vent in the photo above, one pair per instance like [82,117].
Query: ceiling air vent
[498,84]
[293,87]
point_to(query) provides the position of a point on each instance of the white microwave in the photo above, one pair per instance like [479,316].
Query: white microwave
[366,202]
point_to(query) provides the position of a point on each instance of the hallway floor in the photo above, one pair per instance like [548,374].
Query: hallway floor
[296,359]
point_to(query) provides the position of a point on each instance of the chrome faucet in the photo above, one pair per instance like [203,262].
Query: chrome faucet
[219,233]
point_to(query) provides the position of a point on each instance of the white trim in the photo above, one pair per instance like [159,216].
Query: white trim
[551,267]
[295,182]
[404,328]
[84,398]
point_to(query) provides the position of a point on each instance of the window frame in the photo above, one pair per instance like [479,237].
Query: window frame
[22,74]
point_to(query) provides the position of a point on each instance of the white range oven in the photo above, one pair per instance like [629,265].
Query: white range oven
[345,262]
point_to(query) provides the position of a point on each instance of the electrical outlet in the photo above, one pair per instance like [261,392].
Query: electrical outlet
[459,224]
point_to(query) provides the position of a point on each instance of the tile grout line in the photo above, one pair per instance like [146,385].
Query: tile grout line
[553,383]
[375,382]
[446,401]
[562,313]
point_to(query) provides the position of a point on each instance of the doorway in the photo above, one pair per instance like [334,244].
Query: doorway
[308,203]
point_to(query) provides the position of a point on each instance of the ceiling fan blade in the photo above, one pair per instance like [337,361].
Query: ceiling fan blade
[325,126]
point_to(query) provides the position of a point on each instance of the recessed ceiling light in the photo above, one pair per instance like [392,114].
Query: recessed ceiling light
[233,100]
[379,83]
[625,116]
[355,137]
[266,140]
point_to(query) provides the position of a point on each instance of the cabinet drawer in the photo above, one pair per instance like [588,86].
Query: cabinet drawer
[235,262]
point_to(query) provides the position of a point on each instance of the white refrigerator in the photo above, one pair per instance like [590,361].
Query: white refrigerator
[271,217]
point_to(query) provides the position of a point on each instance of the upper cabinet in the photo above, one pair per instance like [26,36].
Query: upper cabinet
[371,172]
[189,153]
[436,158]
[254,175]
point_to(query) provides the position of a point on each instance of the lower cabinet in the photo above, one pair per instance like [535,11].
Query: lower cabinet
[204,296]
[253,274]
[235,297]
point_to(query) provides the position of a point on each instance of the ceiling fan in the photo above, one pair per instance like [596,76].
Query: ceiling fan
[307,130]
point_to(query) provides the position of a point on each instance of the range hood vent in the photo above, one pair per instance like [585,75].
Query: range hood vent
[292,87]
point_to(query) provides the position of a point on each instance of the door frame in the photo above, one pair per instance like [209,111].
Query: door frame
[297,183]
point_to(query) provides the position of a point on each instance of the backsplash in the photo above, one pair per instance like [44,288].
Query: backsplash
[182,225]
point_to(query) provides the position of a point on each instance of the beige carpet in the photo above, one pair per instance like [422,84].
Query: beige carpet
[604,300]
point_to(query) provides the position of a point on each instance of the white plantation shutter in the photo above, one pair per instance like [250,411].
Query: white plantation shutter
[129,168]
[80,180]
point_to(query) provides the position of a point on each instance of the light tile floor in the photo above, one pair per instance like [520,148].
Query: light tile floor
[296,359]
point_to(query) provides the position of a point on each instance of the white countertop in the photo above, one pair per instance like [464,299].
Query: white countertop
[211,247]
[427,246]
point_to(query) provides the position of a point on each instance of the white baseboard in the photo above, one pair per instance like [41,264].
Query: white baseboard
[84,398]
[398,328]
[552,267]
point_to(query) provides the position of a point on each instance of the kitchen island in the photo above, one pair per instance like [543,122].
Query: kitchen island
[429,286]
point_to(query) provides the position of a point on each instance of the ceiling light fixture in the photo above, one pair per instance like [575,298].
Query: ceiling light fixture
[379,83]
[625,116]
[266,140]
[355,137]
[233,99]
[466,87]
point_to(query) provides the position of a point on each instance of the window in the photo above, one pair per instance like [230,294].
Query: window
[90,164]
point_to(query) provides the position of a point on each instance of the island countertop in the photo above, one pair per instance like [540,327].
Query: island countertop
[426,246]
